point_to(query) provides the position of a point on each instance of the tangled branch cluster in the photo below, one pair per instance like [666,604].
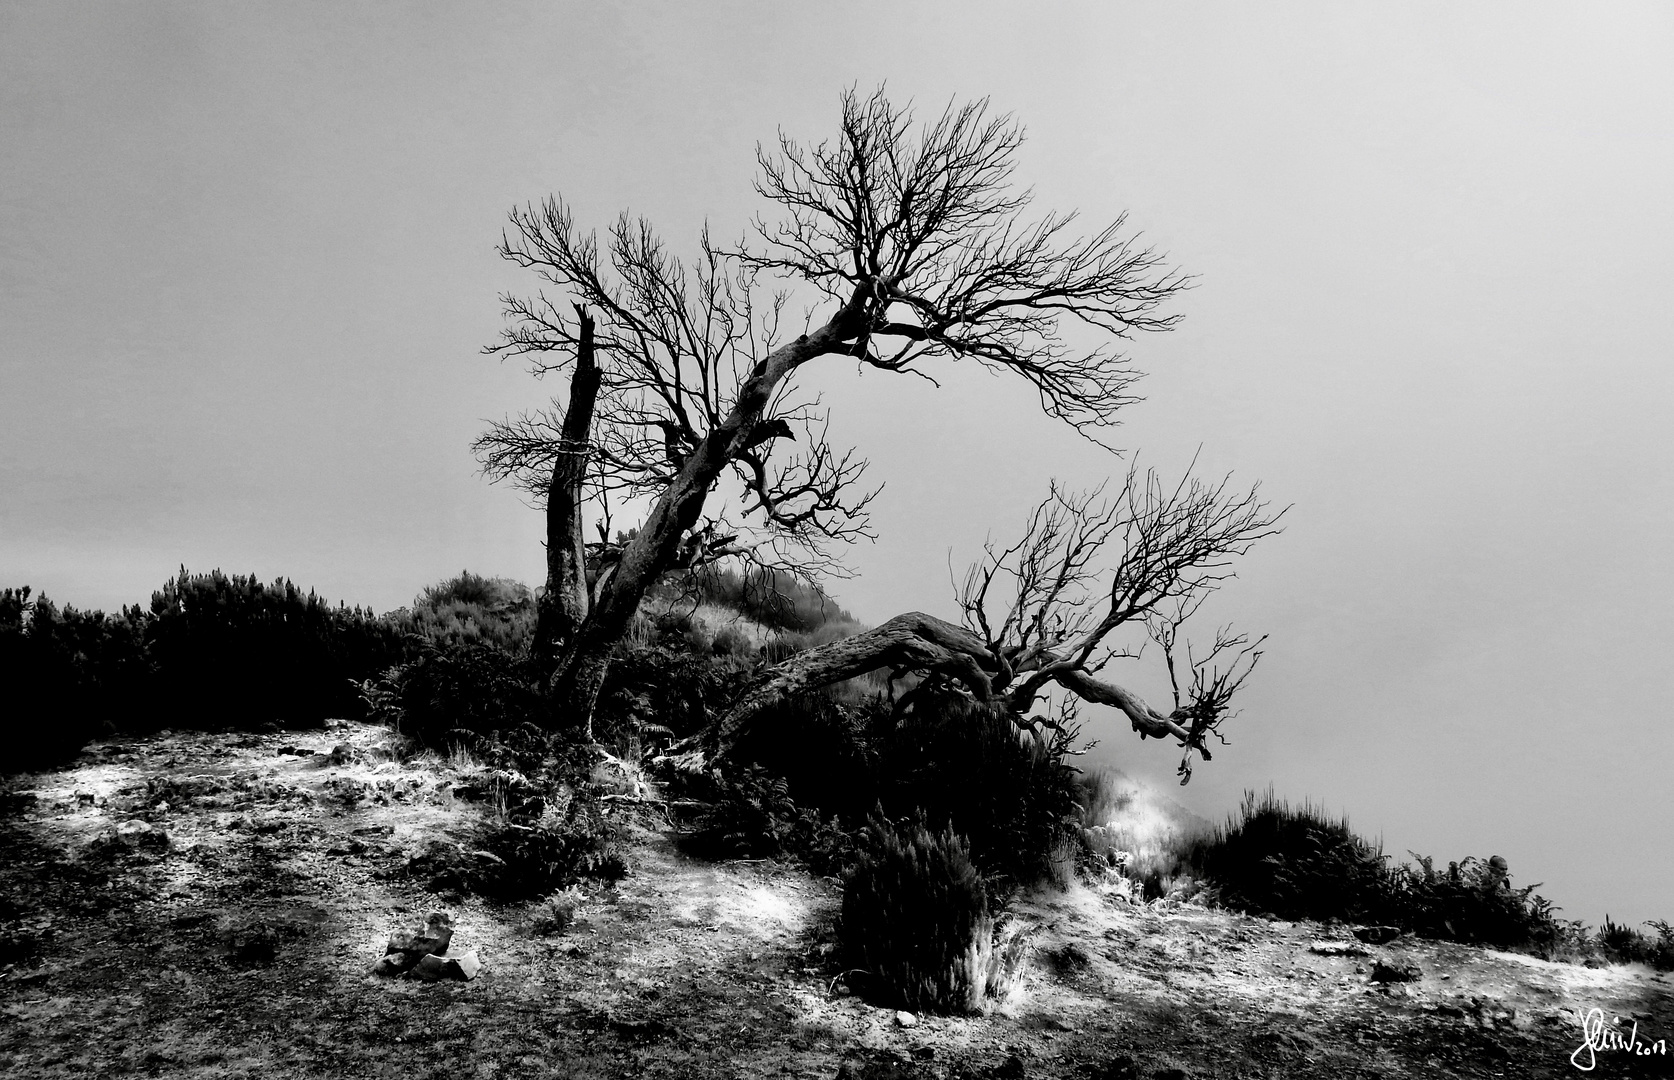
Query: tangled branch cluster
[1063,597]
[923,243]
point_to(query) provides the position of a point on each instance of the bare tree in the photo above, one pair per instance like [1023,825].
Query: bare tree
[1047,611]
[921,251]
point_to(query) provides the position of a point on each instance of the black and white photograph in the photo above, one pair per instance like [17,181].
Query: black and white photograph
[886,541]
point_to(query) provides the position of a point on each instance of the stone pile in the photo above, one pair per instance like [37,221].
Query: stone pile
[427,953]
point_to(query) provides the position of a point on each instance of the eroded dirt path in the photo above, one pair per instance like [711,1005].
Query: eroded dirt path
[244,948]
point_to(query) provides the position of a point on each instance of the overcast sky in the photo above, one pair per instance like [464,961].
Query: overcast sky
[247,265]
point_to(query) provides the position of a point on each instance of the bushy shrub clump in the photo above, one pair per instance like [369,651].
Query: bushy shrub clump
[752,816]
[525,861]
[774,599]
[1299,863]
[1473,901]
[1272,858]
[557,913]
[915,919]
[68,676]
[472,610]
[231,650]
[1296,863]
[228,650]
[1009,790]
[537,836]
[210,650]
[825,751]
[467,671]
[1626,945]
[666,687]
[452,692]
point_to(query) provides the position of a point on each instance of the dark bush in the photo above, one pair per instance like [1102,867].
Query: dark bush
[67,676]
[752,816]
[527,861]
[473,610]
[823,749]
[230,650]
[774,599]
[733,642]
[968,765]
[1296,863]
[1301,864]
[915,919]
[668,686]
[546,757]
[1009,790]
[1626,945]
[1473,902]
[218,650]
[453,691]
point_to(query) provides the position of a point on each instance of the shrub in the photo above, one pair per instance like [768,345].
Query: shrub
[1472,902]
[473,610]
[823,749]
[214,649]
[774,599]
[557,912]
[1296,863]
[915,919]
[527,861]
[731,641]
[752,816]
[231,650]
[956,762]
[1010,791]
[1301,864]
[453,692]
[67,676]
[210,650]
[665,685]
[1629,946]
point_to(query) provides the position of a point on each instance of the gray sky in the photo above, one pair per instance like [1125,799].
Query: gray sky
[246,266]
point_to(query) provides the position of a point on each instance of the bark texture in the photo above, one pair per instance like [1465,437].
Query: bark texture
[565,604]
[920,642]
[656,546]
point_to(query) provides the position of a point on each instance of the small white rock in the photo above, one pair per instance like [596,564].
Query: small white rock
[905,1019]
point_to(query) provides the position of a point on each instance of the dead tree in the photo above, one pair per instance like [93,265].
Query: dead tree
[1052,609]
[920,252]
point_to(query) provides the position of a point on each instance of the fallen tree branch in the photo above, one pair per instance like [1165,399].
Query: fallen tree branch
[911,641]
[923,642]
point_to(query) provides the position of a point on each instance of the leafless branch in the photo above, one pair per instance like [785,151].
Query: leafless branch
[933,226]
[675,345]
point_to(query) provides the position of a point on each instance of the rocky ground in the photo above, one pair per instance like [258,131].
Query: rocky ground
[213,906]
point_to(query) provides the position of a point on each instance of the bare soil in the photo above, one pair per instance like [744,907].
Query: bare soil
[244,947]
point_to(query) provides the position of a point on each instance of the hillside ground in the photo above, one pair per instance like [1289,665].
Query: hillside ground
[242,946]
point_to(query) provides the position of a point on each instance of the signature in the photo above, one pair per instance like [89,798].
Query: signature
[1595,1037]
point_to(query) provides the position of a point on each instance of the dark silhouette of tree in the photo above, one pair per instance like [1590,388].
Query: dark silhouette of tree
[1048,611]
[921,252]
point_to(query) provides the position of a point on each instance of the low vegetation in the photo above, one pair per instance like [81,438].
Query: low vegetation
[936,810]
[211,650]
[916,927]
[1282,861]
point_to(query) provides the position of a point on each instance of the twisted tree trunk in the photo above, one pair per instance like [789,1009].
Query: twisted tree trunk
[912,641]
[919,642]
[564,605]
[655,548]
